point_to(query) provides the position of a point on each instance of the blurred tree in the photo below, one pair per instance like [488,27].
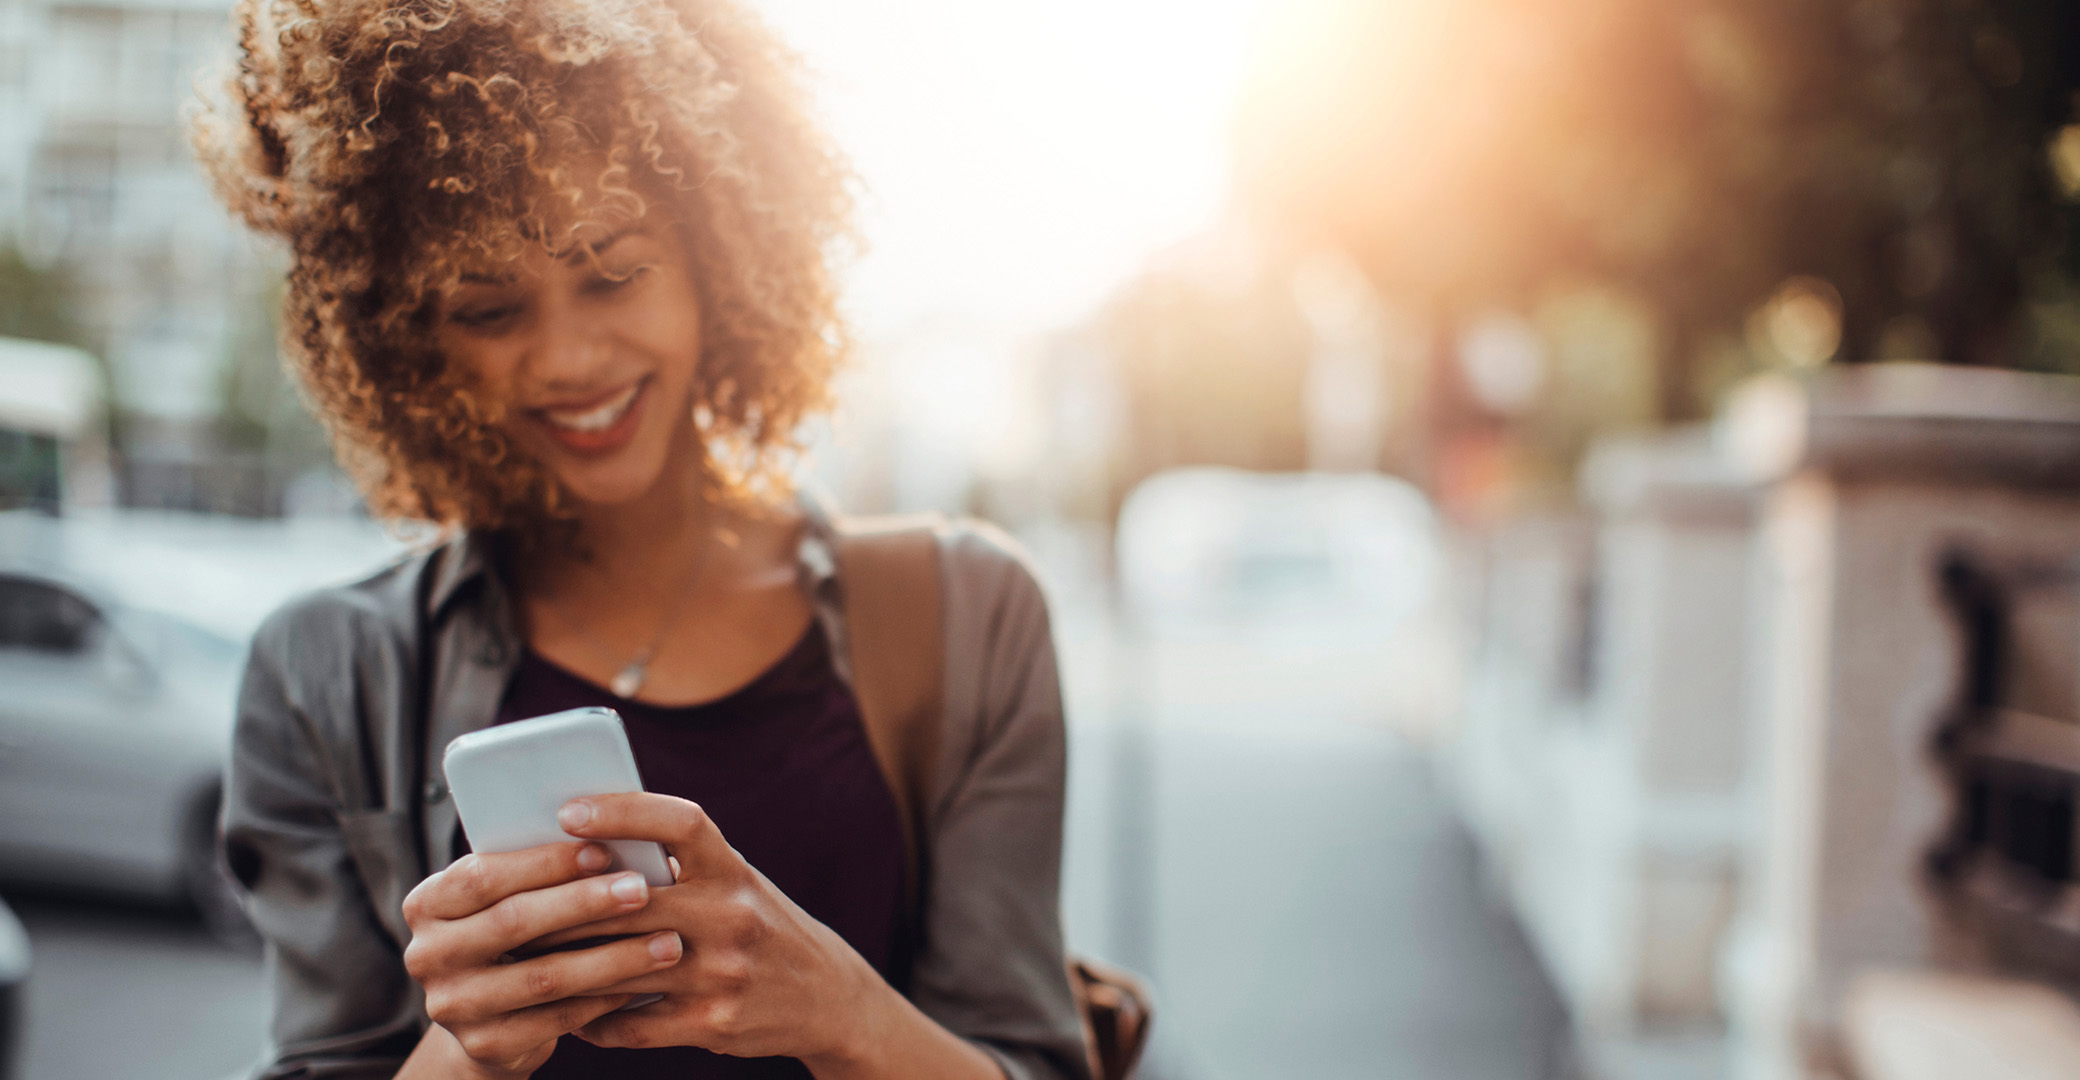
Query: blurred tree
[1883,168]
[41,304]
[1211,355]
[38,303]
[262,419]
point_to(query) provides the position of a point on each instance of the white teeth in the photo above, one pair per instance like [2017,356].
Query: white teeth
[598,418]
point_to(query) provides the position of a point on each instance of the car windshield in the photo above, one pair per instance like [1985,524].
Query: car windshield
[40,616]
[174,643]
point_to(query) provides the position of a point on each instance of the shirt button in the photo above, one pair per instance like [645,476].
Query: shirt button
[436,790]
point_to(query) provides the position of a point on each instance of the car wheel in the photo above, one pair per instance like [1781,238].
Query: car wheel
[10,1029]
[14,973]
[207,881]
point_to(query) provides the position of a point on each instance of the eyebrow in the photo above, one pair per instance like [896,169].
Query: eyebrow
[600,246]
[577,251]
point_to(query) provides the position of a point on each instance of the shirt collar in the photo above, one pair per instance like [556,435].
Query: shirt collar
[467,557]
[463,560]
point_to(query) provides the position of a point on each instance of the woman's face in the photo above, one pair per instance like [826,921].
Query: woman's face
[592,350]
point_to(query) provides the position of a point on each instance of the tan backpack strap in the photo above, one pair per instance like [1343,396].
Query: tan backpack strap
[890,580]
[889,577]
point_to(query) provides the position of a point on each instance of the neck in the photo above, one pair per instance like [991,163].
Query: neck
[646,543]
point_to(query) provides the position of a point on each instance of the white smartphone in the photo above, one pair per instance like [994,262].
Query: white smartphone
[508,782]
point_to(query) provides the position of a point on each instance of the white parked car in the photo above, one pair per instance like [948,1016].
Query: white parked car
[114,726]
[122,643]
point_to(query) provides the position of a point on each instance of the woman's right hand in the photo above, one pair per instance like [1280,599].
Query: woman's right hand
[503,1015]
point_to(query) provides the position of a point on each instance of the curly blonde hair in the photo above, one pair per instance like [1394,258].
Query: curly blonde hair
[395,143]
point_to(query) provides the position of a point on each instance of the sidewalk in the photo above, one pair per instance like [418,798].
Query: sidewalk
[1318,914]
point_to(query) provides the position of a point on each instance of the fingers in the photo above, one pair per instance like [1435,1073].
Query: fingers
[522,918]
[519,1035]
[475,882]
[515,988]
[519,919]
[701,973]
[614,1031]
[697,908]
[682,827]
[618,926]
[715,1020]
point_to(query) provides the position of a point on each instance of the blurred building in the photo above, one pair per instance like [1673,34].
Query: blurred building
[97,180]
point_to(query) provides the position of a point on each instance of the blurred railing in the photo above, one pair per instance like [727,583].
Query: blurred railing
[2007,859]
[1827,729]
[1600,760]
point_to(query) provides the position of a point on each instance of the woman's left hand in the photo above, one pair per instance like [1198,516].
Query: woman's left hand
[760,977]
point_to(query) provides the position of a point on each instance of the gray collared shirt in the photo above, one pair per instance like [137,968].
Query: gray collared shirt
[335,807]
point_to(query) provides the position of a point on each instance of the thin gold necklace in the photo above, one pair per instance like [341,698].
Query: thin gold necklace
[628,681]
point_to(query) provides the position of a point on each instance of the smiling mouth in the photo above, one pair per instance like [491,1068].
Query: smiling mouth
[594,419]
[601,426]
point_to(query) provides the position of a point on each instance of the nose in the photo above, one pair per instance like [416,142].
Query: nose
[572,343]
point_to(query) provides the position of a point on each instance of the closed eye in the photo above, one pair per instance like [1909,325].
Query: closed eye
[484,316]
[613,280]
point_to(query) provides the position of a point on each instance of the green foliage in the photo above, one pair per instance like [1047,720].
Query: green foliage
[1212,359]
[37,304]
[260,410]
[1697,155]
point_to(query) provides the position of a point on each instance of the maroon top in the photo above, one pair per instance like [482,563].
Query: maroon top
[784,768]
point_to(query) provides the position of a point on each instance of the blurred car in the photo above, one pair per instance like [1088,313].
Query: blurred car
[122,638]
[14,972]
[114,728]
[1275,600]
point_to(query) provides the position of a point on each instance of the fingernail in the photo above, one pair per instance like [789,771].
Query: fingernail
[665,945]
[628,888]
[593,858]
[574,815]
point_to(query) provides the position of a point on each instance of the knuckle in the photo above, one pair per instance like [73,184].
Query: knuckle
[442,1006]
[566,1016]
[569,1016]
[417,958]
[747,925]
[723,1016]
[543,982]
[473,878]
[730,967]
[506,919]
[479,1043]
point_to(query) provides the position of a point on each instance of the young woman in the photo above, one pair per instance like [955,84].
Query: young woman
[559,284]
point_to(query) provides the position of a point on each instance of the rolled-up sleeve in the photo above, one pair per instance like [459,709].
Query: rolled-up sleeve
[990,967]
[344,1006]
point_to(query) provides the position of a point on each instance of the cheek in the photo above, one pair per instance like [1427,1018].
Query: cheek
[491,371]
[671,332]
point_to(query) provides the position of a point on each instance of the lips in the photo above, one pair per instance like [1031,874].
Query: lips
[597,426]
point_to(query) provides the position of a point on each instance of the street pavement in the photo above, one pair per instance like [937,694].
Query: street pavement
[124,993]
[1308,907]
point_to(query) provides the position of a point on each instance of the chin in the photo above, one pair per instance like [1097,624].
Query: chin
[608,487]
[625,474]
[621,477]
